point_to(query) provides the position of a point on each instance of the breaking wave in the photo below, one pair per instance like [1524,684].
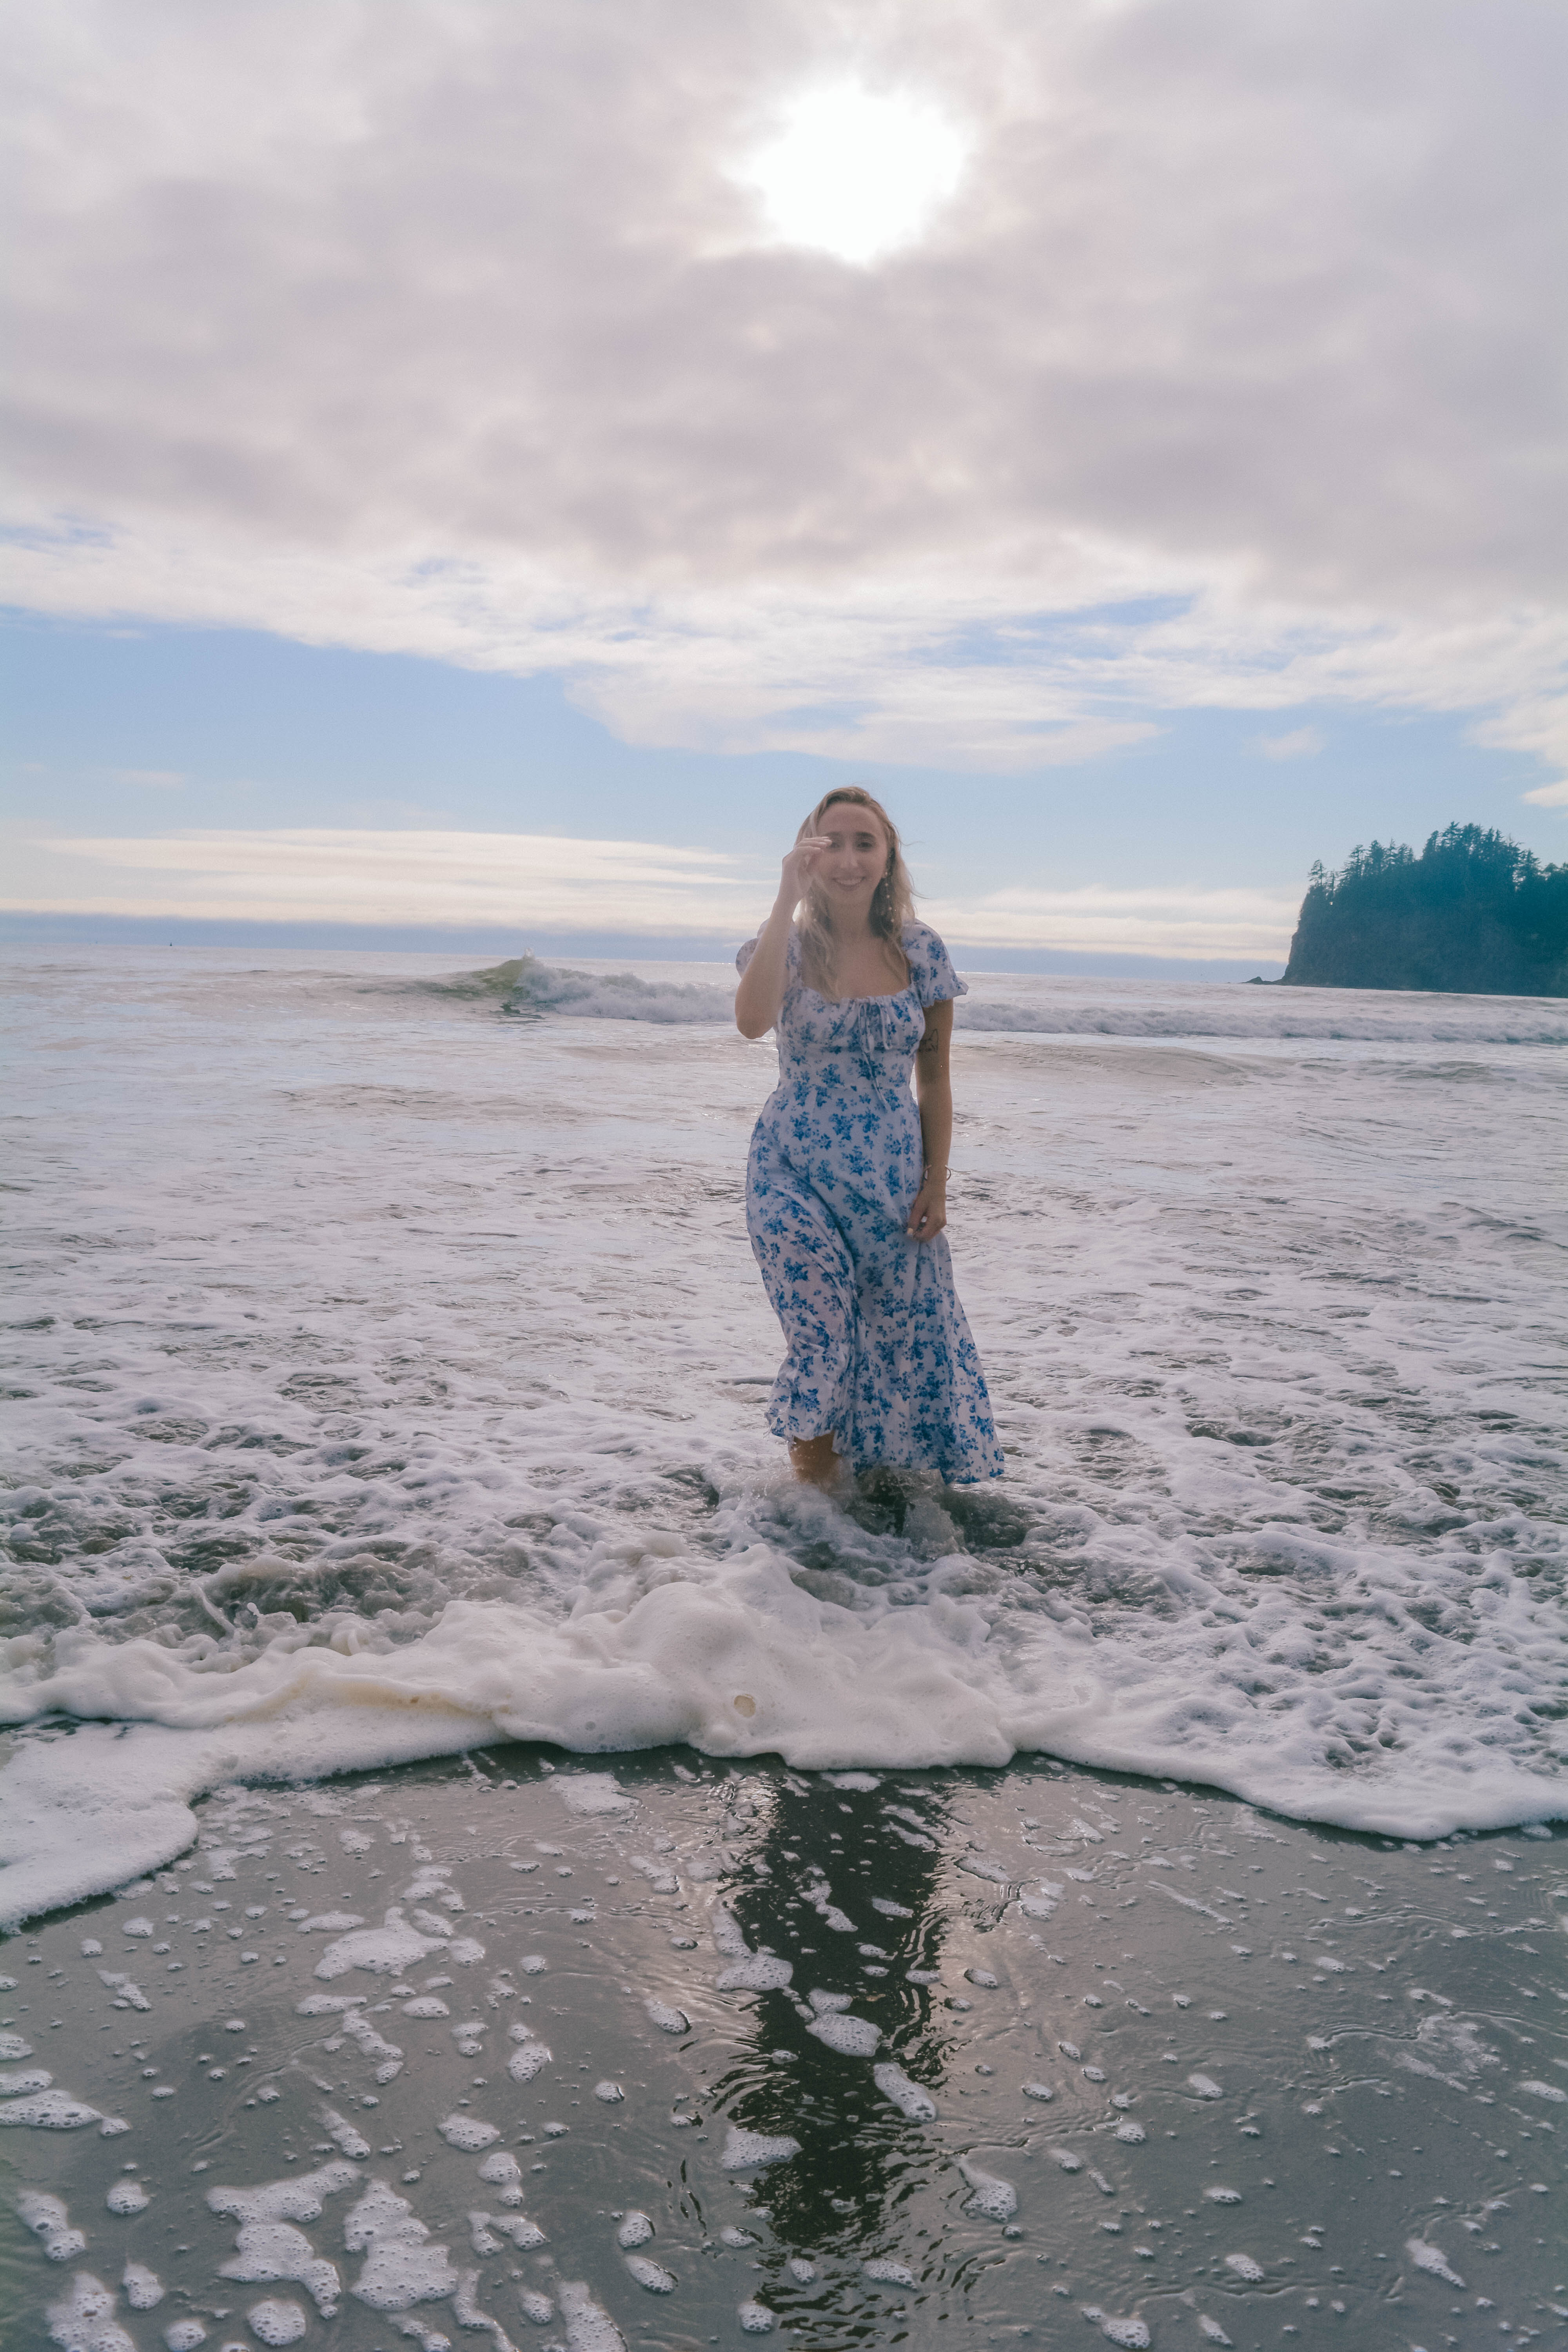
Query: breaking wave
[528,988]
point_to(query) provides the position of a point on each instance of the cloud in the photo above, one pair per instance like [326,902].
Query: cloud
[1125,922]
[1301,743]
[1551,795]
[540,883]
[350,877]
[157,779]
[1223,379]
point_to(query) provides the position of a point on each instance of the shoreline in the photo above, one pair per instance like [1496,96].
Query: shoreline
[64,1784]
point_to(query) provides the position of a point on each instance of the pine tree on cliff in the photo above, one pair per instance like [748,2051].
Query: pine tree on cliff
[1474,913]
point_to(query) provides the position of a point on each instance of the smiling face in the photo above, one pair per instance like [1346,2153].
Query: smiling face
[848,870]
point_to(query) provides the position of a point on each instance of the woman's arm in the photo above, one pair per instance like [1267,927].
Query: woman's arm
[766,977]
[933,1093]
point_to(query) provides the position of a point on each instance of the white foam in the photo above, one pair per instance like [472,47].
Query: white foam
[357,2028]
[747,2150]
[1432,2260]
[589,2328]
[338,2127]
[401,2266]
[592,1793]
[650,2275]
[387,1950]
[144,2290]
[298,2198]
[530,986]
[760,1973]
[725,1929]
[127,2197]
[265,2251]
[906,2095]
[467,2132]
[50,2223]
[531,2056]
[1130,2335]
[127,1994]
[272,2321]
[993,2198]
[84,2320]
[49,2111]
[851,2037]
[524,2234]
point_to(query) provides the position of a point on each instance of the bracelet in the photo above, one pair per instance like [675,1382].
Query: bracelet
[943,1173]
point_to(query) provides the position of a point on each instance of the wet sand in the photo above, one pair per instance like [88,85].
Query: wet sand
[1299,2081]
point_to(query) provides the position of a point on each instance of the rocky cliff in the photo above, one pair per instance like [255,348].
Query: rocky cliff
[1474,914]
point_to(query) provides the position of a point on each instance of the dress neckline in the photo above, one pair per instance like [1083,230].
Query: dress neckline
[887,996]
[890,996]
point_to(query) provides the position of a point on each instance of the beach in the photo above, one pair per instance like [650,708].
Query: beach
[671,2053]
[388,1372]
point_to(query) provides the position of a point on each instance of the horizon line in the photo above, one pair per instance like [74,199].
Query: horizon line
[19,928]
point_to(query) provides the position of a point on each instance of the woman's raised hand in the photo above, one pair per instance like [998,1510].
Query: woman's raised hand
[796,870]
[766,977]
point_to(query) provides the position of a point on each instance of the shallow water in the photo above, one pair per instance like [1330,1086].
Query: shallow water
[666,2055]
[389,1357]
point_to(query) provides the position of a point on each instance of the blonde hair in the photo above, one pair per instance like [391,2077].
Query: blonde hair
[893,901]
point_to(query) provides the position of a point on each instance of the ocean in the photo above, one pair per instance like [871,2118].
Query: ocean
[387,1373]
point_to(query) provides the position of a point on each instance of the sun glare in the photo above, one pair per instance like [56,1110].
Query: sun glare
[854,174]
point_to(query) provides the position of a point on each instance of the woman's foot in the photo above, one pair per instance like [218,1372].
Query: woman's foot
[815,1464]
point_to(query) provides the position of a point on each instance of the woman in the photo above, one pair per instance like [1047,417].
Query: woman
[846,1182]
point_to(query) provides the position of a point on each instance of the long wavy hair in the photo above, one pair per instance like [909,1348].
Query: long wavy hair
[893,901]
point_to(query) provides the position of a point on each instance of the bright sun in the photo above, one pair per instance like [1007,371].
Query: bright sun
[853,175]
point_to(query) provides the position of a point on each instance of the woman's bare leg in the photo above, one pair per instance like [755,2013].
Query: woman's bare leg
[815,1463]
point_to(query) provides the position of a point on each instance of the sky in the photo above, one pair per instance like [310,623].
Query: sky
[484,471]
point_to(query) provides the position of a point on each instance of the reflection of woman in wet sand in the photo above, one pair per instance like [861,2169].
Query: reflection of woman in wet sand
[811,1902]
[847,1181]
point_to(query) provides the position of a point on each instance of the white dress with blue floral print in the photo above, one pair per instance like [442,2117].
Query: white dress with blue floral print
[879,1349]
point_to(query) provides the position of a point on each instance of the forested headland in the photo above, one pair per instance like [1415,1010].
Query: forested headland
[1473,914]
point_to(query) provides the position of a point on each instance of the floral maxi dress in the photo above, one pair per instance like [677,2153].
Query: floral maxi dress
[879,1349]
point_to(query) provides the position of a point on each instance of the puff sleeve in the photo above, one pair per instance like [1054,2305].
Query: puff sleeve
[792,959]
[930,967]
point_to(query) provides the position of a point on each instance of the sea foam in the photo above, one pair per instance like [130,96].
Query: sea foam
[417,1404]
